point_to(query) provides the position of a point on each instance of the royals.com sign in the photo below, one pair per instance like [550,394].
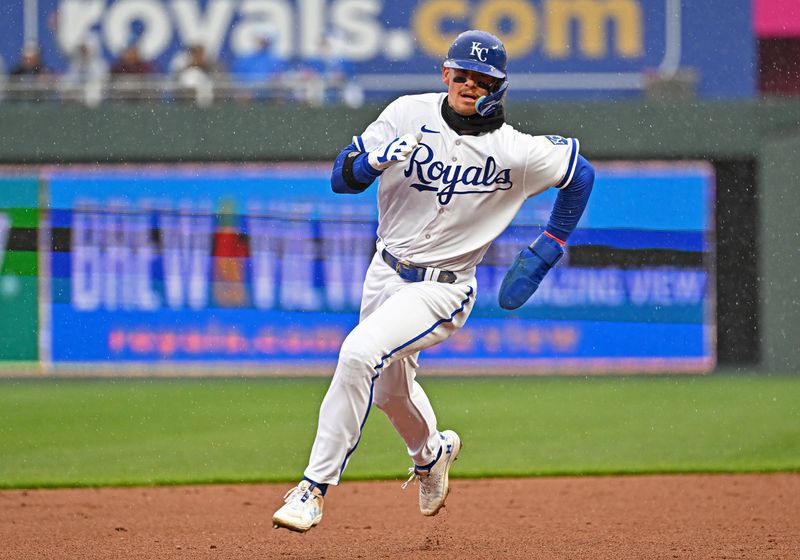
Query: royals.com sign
[578,46]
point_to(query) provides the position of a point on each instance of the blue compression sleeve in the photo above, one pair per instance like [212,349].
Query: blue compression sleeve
[351,172]
[571,201]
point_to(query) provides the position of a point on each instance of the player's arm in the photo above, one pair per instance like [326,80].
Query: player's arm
[533,262]
[354,170]
[571,202]
[352,173]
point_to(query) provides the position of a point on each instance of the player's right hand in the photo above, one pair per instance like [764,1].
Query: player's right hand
[394,151]
[528,270]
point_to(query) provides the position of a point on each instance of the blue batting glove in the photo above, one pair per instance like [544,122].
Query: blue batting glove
[487,104]
[528,270]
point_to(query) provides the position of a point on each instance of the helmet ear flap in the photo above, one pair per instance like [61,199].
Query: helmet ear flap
[487,105]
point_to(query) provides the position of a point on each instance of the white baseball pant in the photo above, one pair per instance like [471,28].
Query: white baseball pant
[378,361]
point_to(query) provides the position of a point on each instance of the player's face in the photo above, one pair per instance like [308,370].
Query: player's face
[464,87]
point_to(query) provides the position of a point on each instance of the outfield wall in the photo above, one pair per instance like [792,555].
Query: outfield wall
[779,178]
[262,265]
[752,145]
[122,132]
[19,269]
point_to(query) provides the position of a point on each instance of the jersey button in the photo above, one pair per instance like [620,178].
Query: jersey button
[441,210]
[428,236]
[455,158]
[458,142]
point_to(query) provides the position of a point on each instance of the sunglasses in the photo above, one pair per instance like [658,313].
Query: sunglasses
[461,79]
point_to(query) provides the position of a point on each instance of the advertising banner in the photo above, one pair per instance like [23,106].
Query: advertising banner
[776,18]
[556,47]
[260,265]
[19,269]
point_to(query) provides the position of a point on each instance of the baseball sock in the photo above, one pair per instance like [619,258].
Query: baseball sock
[323,488]
[429,466]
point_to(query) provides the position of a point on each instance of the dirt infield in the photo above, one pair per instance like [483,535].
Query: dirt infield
[708,517]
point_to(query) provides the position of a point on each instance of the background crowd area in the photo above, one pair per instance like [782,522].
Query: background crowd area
[92,77]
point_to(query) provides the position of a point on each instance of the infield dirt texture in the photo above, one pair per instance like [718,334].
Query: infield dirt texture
[620,517]
[86,467]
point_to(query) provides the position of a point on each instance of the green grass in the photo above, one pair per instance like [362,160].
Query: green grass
[156,431]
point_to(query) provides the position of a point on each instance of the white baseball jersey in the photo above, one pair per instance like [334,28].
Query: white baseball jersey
[455,194]
[440,209]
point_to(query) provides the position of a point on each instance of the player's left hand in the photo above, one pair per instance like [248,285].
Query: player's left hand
[528,270]
[394,151]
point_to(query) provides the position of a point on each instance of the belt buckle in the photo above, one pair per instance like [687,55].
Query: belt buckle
[401,264]
[406,270]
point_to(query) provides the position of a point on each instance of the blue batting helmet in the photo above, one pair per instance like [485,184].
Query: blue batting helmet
[478,51]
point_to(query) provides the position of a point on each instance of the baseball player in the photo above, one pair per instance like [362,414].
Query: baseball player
[453,175]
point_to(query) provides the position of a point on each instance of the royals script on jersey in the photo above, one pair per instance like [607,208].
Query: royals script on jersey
[455,194]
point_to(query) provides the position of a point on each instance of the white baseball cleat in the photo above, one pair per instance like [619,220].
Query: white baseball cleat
[434,482]
[302,510]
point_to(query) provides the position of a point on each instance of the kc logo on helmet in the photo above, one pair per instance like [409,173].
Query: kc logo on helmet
[478,51]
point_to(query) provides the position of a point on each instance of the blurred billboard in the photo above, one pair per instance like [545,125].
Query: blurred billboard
[19,269]
[776,18]
[264,265]
[569,48]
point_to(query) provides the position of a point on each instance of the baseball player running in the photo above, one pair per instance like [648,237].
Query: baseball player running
[453,174]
